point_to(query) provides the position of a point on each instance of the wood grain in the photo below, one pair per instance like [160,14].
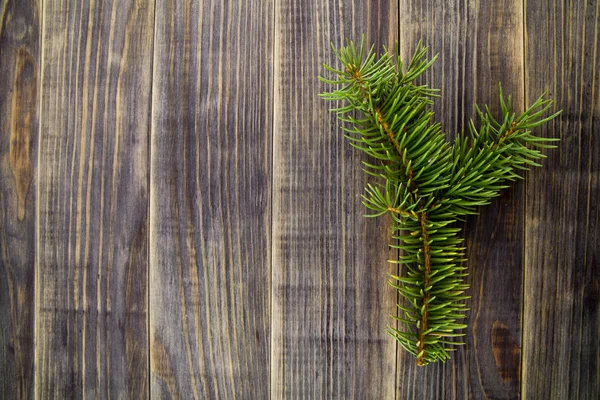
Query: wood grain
[19,68]
[331,301]
[479,44]
[210,231]
[561,342]
[180,215]
[91,297]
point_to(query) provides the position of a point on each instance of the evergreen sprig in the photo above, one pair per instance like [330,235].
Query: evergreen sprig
[427,183]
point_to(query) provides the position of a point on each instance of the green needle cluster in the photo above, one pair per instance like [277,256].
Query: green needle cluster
[427,183]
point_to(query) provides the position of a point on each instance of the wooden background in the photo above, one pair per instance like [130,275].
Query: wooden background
[180,215]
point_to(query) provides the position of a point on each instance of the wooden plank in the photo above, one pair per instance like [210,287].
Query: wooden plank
[210,200]
[19,68]
[331,300]
[91,277]
[479,44]
[561,343]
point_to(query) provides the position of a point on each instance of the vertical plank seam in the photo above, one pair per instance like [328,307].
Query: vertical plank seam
[273,111]
[525,208]
[397,251]
[148,207]
[36,228]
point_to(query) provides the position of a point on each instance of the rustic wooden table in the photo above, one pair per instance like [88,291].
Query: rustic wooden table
[180,214]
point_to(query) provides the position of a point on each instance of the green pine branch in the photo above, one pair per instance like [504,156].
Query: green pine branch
[427,183]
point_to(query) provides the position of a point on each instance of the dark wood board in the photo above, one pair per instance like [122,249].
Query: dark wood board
[479,44]
[561,339]
[331,300]
[19,94]
[91,274]
[180,214]
[210,205]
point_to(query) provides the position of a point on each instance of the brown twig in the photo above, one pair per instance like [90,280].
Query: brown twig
[426,281]
[398,211]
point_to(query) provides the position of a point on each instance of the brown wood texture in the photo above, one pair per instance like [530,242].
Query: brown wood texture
[561,336]
[91,274]
[19,68]
[180,214]
[479,44]
[210,200]
[331,301]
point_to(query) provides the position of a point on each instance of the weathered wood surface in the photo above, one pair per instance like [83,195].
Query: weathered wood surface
[561,336]
[91,273]
[479,44]
[180,214]
[19,68]
[210,200]
[331,302]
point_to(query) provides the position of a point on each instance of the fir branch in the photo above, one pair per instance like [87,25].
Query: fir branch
[428,184]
